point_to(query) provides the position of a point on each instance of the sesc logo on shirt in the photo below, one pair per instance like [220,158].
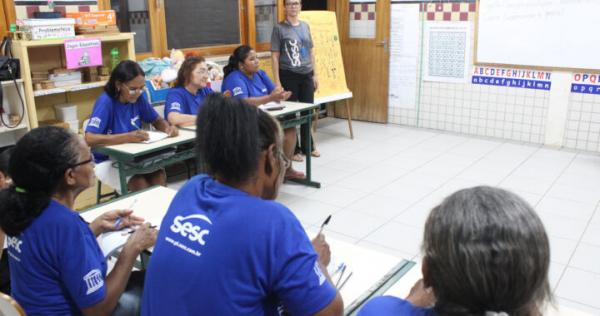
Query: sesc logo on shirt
[14,243]
[190,228]
[94,281]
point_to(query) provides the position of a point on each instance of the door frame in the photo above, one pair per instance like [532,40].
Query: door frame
[382,38]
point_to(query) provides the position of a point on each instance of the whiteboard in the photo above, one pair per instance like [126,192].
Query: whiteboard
[544,33]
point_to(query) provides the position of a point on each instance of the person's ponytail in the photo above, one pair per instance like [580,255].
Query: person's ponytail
[37,166]
[230,67]
[18,210]
[239,55]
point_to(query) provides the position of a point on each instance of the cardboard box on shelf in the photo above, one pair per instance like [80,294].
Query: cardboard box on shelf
[106,17]
[56,123]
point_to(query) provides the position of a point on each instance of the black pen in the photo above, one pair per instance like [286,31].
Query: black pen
[341,276]
[343,283]
[133,230]
[324,223]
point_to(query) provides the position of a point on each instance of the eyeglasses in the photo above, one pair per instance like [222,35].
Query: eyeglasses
[133,91]
[82,163]
[293,4]
[201,71]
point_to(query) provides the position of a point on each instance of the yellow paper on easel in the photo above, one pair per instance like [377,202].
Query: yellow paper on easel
[328,54]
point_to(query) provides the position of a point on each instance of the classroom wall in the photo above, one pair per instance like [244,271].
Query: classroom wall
[555,118]
[582,127]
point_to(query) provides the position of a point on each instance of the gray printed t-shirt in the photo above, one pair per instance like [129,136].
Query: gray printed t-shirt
[294,44]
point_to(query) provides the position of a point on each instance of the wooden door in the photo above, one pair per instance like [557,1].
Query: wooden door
[364,33]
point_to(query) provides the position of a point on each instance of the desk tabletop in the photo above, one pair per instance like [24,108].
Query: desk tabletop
[292,107]
[368,267]
[136,149]
[151,204]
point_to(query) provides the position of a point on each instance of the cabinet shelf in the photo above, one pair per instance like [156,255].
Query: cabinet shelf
[79,87]
[43,55]
[4,129]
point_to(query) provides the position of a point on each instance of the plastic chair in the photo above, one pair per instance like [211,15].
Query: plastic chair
[10,307]
[99,195]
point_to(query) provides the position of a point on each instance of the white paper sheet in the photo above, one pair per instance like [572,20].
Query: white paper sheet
[155,136]
[447,51]
[111,241]
[404,54]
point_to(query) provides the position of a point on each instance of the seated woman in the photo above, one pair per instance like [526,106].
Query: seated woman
[56,265]
[244,79]
[184,100]
[117,118]
[485,252]
[227,248]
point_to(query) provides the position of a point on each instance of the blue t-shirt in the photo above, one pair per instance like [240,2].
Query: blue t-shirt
[56,265]
[113,117]
[180,100]
[393,306]
[221,251]
[243,87]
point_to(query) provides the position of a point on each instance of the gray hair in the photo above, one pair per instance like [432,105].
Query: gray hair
[485,249]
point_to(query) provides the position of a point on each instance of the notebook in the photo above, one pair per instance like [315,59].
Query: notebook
[154,136]
[271,106]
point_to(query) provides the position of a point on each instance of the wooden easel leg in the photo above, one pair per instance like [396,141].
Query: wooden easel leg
[349,113]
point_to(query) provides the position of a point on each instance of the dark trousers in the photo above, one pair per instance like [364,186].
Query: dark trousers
[130,302]
[4,273]
[303,90]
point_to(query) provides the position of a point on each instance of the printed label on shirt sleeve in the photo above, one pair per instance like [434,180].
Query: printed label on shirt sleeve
[95,122]
[175,106]
[94,281]
[237,91]
[319,273]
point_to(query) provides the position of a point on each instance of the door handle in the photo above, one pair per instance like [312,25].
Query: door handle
[383,44]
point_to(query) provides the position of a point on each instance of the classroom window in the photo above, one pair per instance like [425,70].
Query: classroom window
[265,16]
[202,23]
[133,16]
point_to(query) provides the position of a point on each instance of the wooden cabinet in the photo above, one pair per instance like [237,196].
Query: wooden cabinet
[48,54]
[11,103]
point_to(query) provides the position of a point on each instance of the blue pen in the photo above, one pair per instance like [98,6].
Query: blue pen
[118,222]
[119,219]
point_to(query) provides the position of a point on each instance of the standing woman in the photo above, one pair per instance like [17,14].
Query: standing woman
[183,101]
[117,119]
[56,265]
[294,62]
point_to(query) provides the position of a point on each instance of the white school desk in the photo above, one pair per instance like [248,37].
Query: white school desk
[125,155]
[370,269]
[151,204]
[292,115]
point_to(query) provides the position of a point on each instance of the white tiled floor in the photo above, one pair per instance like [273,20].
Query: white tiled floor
[381,185]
